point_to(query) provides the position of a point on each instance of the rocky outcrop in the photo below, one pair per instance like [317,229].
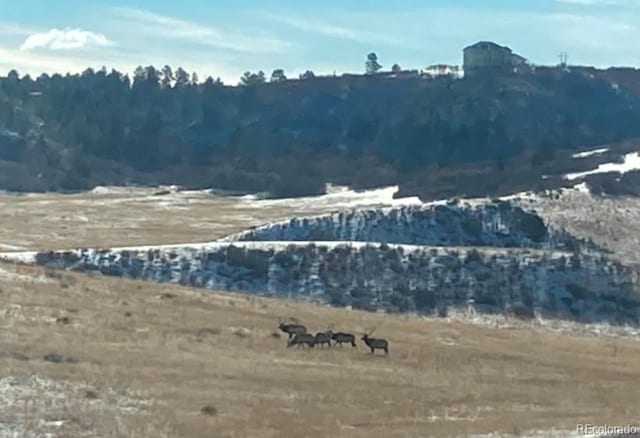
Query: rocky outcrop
[492,254]
[393,277]
[492,224]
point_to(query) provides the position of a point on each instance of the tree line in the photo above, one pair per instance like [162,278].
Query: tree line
[364,131]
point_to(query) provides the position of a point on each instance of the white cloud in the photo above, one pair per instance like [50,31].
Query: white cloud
[64,39]
[162,26]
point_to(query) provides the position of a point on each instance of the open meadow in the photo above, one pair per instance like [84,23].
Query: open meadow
[92,356]
[111,217]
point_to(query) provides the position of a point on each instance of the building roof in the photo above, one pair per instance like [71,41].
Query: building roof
[519,58]
[482,44]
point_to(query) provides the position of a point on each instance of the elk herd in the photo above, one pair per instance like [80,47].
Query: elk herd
[299,336]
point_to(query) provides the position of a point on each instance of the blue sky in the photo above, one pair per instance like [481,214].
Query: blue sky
[225,38]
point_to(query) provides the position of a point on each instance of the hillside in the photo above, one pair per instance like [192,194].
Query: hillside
[435,138]
[501,255]
[98,355]
[142,359]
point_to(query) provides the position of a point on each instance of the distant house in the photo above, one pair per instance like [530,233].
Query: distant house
[520,64]
[488,57]
[402,74]
[442,70]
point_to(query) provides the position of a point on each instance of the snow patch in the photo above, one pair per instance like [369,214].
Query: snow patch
[582,187]
[6,246]
[338,197]
[4,131]
[126,190]
[20,257]
[29,257]
[631,162]
[108,190]
[528,196]
[590,153]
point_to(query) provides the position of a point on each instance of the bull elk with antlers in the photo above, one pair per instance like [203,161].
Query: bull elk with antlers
[375,343]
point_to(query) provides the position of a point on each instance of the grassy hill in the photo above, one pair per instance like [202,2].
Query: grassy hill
[142,359]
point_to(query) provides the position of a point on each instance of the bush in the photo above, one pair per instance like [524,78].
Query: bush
[209,410]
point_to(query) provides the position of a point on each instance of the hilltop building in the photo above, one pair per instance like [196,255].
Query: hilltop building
[486,57]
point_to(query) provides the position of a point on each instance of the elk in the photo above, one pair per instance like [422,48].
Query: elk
[341,337]
[292,329]
[322,338]
[301,339]
[375,343]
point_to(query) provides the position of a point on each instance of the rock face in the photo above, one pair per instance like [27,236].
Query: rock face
[490,224]
[408,259]
[392,277]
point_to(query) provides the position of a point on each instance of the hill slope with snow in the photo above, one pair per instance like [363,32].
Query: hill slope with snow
[500,255]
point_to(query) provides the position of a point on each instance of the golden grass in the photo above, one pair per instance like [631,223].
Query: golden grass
[136,217]
[183,349]
[150,357]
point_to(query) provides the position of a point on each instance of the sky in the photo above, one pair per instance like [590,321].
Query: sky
[226,38]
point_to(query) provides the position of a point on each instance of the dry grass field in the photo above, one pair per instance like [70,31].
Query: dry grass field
[91,356]
[142,359]
[139,216]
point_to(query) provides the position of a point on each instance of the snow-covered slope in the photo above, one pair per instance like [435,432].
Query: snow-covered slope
[499,254]
[380,276]
[631,162]
[338,197]
[497,223]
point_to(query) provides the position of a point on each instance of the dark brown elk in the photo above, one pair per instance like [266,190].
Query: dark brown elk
[341,338]
[323,338]
[302,339]
[292,329]
[375,343]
